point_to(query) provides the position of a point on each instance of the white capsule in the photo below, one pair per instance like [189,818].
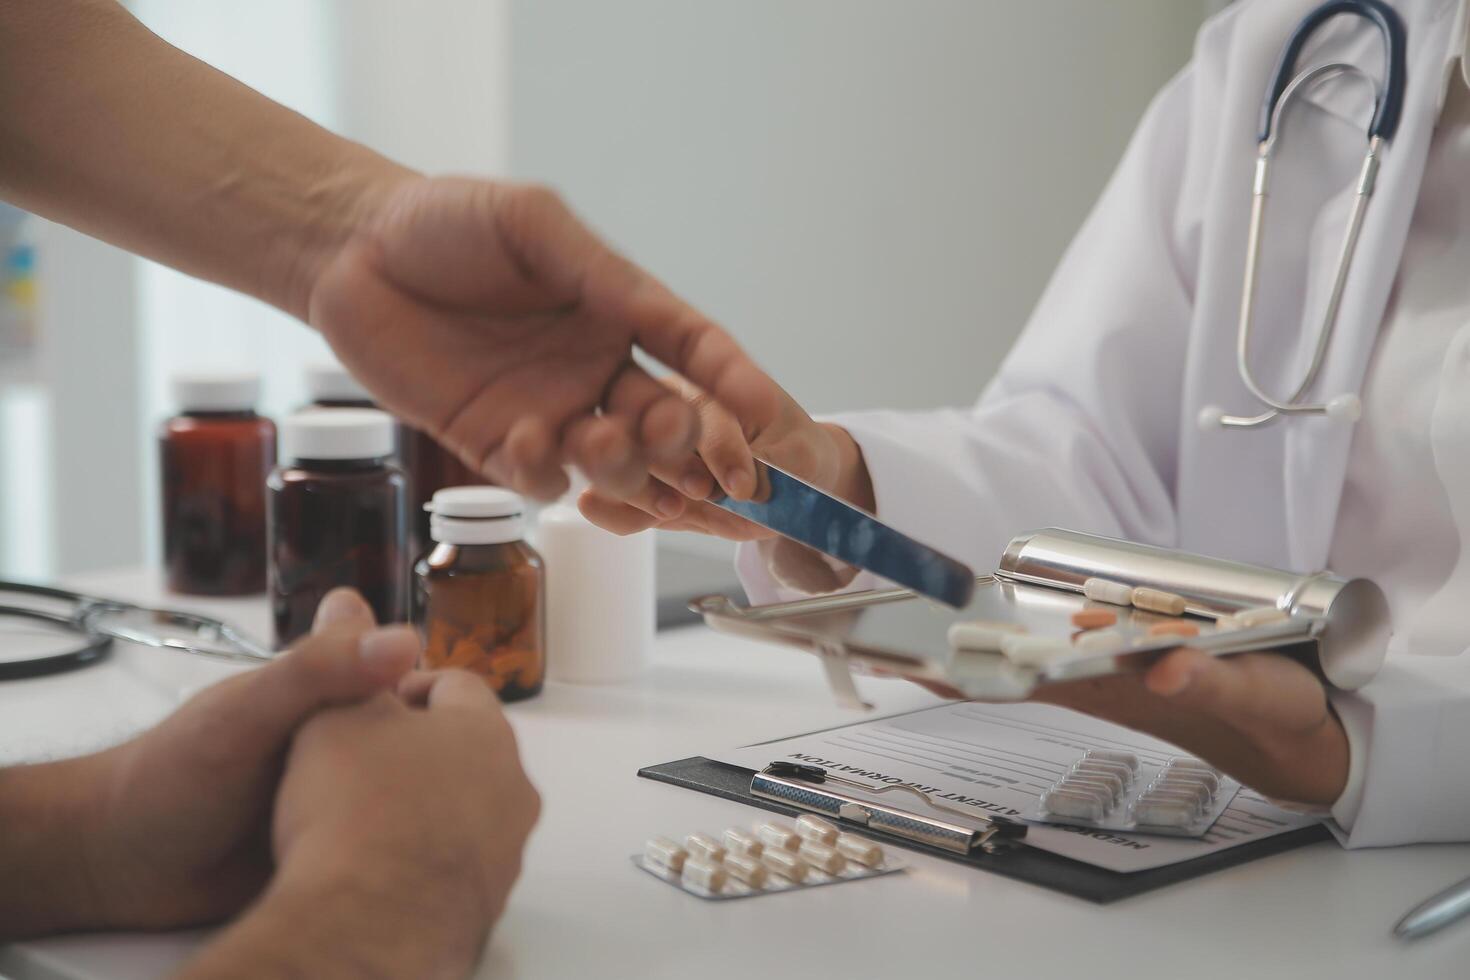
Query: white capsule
[1191,764]
[746,868]
[1181,797]
[664,853]
[1122,772]
[704,847]
[704,874]
[738,841]
[1034,651]
[822,857]
[1259,616]
[1107,755]
[1078,806]
[1194,789]
[1099,641]
[857,849]
[777,837]
[1109,784]
[1163,813]
[1159,601]
[811,827]
[981,634]
[785,863]
[1103,590]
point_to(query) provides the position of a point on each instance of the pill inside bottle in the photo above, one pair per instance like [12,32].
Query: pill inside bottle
[479,594]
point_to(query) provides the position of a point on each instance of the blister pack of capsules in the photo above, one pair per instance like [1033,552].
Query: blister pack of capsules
[775,857]
[1109,790]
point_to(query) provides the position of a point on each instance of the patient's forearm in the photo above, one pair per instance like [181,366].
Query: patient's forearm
[44,884]
[109,129]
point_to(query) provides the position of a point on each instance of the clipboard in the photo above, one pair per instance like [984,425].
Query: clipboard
[1340,627]
[1029,864]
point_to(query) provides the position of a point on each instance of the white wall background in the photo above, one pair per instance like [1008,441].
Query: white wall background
[869,193]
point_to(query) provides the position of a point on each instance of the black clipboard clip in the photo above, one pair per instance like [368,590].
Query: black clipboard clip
[808,787]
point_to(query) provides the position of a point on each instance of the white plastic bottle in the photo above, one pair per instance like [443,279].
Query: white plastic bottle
[599,598]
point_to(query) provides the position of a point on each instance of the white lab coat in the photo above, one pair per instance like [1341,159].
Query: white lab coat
[1090,423]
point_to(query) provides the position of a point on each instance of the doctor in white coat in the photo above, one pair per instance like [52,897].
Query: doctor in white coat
[1091,422]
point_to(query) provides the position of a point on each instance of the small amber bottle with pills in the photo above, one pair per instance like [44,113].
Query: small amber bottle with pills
[215,455]
[337,517]
[479,592]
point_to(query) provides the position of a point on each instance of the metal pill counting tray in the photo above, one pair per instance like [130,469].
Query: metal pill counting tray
[1340,625]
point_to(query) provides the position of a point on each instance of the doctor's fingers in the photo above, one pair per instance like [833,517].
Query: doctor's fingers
[1251,690]
[630,517]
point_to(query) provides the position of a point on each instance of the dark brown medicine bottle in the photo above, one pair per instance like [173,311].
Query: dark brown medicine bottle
[215,456]
[430,468]
[336,517]
[479,594]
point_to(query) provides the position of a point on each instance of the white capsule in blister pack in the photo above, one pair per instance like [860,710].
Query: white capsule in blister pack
[1114,790]
[778,838]
[763,863]
[738,841]
[814,828]
[705,848]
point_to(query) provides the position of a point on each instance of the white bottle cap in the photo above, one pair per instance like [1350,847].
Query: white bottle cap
[476,515]
[328,381]
[338,433]
[216,391]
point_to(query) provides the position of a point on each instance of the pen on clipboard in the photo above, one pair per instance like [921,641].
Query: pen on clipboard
[807,787]
[1435,912]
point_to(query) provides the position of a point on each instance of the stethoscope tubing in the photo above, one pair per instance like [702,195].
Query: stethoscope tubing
[1284,85]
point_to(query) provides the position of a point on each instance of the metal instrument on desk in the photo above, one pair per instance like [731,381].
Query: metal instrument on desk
[86,625]
[1340,625]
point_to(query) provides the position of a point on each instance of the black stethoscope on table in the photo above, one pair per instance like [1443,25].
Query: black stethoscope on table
[1286,84]
[61,630]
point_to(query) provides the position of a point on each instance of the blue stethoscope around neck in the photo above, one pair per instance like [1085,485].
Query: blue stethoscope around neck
[1286,84]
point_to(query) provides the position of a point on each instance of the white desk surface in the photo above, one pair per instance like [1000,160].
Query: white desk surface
[582,910]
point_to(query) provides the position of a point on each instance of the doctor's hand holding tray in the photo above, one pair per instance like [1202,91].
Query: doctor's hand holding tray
[1335,441]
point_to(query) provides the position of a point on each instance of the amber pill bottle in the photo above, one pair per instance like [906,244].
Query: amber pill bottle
[215,456]
[336,517]
[480,592]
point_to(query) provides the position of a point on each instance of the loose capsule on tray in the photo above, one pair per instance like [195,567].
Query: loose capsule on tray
[777,857]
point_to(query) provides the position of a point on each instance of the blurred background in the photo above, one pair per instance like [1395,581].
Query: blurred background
[869,194]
